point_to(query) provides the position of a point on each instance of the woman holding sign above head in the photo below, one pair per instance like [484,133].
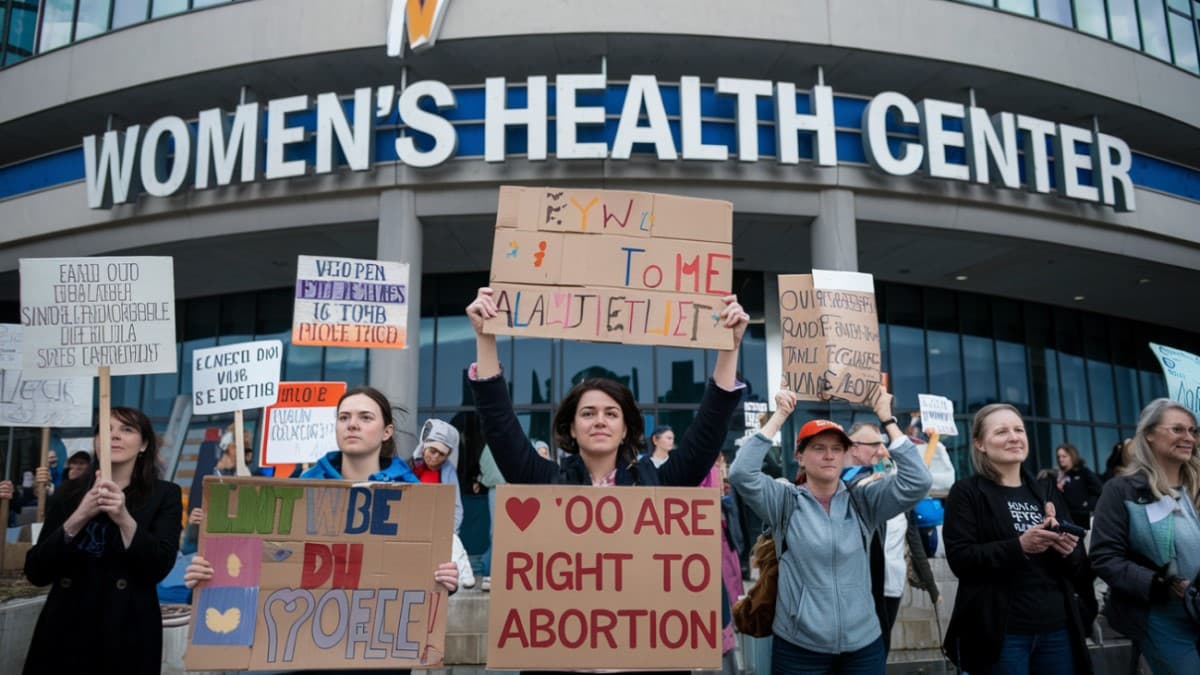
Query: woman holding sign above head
[827,618]
[598,422]
[106,543]
[366,452]
[1018,562]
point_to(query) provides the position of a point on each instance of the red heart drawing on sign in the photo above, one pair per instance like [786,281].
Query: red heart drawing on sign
[521,512]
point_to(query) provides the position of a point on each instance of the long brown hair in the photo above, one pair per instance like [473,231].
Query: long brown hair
[145,466]
[388,449]
[635,426]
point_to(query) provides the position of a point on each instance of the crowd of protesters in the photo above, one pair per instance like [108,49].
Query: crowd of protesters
[854,527]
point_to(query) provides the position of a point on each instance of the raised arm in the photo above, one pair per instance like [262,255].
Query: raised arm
[898,492]
[502,432]
[763,494]
[701,443]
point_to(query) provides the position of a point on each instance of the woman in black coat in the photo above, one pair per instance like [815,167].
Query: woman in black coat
[1079,485]
[1017,610]
[104,547]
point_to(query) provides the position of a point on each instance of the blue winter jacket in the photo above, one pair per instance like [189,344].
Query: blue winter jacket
[330,467]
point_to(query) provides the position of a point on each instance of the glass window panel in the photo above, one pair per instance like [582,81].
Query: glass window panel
[942,341]
[302,364]
[1043,362]
[1101,385]
[1122,16]
[678,420]
[1057,11]
[1106,437]
[197,4]
[906,344]
[1082,438]
[273,312]
[127,391]
[346,365]
[425,387]
[1089,17]
[57,16]
[979,357]
[455,353]
[200,318]
[1154,29]
[537,426]
[681,375]
[1153,386]
[22,28]
[237,318]
[1019,6]
[168,7]
[1183,39]
[92,19]
[985,3]
[628,364]
[1180,6]
[1072,376]
[531,370]
[753,366]
[129,12]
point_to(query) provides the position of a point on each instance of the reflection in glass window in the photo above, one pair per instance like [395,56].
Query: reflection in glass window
[681,374]
[425,386]
[1154,29]
[168,7]
[1122,15]
[531,370]
[22,29]
[942,341]
[906,344]
[1057,11]
[92,19]
[1106,438]
[753,367]
[628,364]
[1183,40]
[1018,6]
[346,365]
[302,364]
[1089,17]
[455,353]
[1082,438]
[129,12]
[57,16]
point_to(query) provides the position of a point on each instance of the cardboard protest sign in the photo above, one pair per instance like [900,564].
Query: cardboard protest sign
[322,575]
[1182,371]
[81,314]
[236,377]
[347,302]
[300,427]
[612,266]
[30,399]
[937,414]
[625,578]
[830,329]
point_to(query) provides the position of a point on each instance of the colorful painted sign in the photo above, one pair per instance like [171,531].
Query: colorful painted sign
[83,313]
[1182,371]
[300,427]
[612,266]
[347,302]
[321,574]
[586,579]
[236,377]
[830,328]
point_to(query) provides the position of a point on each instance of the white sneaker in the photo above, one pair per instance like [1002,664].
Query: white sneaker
[466,577]
[487,584]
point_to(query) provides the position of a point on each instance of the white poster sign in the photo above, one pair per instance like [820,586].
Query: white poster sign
[28,399]
[10,346]
[83,313]
[937,412]
[236,377]
[1182,371]
[347,302]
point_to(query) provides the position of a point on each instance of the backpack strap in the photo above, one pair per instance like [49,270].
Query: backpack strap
[781,540]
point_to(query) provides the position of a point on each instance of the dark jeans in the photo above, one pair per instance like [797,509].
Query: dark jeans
[1035,653]
[788,659]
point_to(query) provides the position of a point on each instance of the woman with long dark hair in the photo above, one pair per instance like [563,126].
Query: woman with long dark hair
[105,545]
[598,423]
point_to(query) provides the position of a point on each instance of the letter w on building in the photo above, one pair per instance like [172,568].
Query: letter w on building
[421,19]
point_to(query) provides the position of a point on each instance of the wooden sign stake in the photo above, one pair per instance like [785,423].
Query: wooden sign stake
[239,443]
[103,420]
[42,487]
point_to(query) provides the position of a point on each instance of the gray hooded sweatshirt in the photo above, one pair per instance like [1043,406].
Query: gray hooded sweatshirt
[825,603]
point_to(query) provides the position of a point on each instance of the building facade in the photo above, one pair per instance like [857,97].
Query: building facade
[1022,178]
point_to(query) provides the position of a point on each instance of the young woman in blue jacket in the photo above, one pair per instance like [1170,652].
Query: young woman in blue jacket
[826,619]
[366,452]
